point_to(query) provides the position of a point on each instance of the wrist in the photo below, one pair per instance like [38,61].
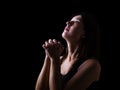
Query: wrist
[55,59]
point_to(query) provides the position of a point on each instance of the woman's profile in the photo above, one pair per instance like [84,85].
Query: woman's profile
[78,67]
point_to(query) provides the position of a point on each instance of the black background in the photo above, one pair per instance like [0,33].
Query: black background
[26,25]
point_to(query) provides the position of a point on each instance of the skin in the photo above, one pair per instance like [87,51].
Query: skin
[50,75]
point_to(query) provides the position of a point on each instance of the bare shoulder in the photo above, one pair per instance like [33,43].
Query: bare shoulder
[91,62]
[91,65]
[87,73]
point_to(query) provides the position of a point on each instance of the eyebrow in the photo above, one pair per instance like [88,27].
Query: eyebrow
[76,20]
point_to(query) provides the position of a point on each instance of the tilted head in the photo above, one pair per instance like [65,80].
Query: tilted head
[83,28]
[74,29]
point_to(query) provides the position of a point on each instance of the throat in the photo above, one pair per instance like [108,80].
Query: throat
[66,66]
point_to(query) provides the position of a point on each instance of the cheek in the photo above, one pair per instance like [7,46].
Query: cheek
[76,32]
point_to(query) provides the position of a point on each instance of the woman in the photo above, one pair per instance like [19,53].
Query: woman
[79,67]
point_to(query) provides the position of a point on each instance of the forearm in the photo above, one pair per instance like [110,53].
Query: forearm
[55,77]
[43,78]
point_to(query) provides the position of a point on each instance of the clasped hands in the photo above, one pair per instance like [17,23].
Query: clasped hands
[53,48]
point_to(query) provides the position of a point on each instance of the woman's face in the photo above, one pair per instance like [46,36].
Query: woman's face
[74,29]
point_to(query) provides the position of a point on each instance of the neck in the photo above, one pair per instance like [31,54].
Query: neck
[73,50]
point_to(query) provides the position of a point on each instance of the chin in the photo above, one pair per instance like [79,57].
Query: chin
[64,36]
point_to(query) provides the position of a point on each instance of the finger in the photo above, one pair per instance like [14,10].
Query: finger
[54,40]
[43,46]
[46,44]
[50,42]
[59,42]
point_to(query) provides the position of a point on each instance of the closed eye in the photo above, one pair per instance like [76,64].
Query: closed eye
[72,22]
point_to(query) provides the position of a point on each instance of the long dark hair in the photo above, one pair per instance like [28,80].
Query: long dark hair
[92,35]
[90,47]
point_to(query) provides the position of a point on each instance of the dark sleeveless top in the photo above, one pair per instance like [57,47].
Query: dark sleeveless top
[70,74]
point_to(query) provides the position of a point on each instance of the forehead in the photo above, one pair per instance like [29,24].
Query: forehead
[77,17]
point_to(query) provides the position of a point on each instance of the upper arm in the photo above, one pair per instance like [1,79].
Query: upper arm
[87,73]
